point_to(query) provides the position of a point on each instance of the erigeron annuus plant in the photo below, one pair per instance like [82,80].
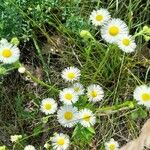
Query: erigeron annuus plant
[78,103]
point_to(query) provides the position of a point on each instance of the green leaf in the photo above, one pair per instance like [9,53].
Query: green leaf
[83,135]
[91,129]
[37,129]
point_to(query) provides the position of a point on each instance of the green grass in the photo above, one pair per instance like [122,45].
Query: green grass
[116,72]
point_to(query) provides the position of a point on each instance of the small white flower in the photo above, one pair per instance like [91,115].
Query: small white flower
[87,118]
[67,116]
[112,145]
[60,141]
[114,30]
[142,95]
[21,69]
[126,44]
[78,88]
[15,138]
[71,74]
[100,17]
[29,147]
[9,53]
[48,106]
[95,93]
[68,96]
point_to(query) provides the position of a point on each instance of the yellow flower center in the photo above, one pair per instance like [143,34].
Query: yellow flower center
[86,117]
[68,96]
[146,97]
[99,17]
[93,93]
[76,89]
[47,106]
[113,30]
[7,53]
[61,141]
[126,42]
[112,147]
[71,75]
[68,115]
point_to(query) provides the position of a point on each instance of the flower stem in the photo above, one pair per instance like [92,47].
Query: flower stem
[115,108]
[41,82]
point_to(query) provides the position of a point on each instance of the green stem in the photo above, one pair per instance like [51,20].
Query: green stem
[111,109]
[41,82]
[40,55]
[100,65]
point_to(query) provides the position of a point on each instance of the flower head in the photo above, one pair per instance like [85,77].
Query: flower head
[29,147]
[95,93]
[71,74]
[126,44]
[112,145]
[142,95]
[67,116]
[48,106]
[86,117]
[68,96]
[9,53]
[60,141]
[15,138]
[100,17]
[113,30]
[78,88]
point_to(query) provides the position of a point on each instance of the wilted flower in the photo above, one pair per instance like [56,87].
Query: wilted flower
[15,138]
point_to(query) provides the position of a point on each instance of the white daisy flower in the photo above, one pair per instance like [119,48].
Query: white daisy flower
[78,88]
[71,74]
[87,117]
[9,53]
[48,106]
[126,44]
[68,96]
[29,147]
[113,30]
[112,145]
[67,116]
[60,141]
[95,93]
[100,17]
[142,95]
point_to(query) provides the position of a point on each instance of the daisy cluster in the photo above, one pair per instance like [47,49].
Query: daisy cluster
[113,30]
[68,115]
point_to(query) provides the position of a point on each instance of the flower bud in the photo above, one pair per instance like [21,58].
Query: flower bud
[15,41]
[3,147]
[21,69]
[85,34]
[47,145]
